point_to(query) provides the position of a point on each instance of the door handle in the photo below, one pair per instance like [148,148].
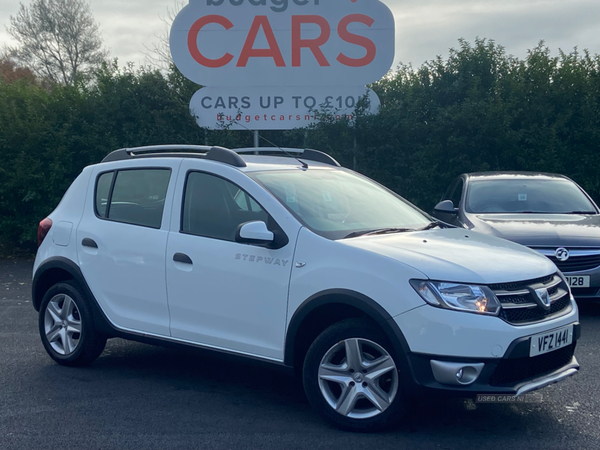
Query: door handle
[182,258]
[87,242]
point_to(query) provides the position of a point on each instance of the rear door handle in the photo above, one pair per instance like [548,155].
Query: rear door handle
[182,258]
[87,242]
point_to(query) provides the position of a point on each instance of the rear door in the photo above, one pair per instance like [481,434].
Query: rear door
[121,242]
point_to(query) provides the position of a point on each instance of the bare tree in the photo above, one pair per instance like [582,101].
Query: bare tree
[58,39]
[160,53]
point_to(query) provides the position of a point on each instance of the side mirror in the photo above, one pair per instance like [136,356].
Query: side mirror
[446,207]
[254,233]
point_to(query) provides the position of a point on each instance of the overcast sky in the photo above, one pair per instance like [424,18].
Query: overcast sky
[424,28]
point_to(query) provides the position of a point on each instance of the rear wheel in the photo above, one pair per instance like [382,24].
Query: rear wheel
[67,328]
[351,378]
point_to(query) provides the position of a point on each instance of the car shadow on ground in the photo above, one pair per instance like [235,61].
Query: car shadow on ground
[233,388]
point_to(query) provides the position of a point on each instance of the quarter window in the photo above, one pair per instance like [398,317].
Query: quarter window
[135,196]
[215,208]
[457,194]
[102,192]
[454,192]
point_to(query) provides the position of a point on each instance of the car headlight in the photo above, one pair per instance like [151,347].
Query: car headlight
[458,296]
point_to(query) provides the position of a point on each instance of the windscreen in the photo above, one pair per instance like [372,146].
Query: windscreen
[336,203]
[527,195]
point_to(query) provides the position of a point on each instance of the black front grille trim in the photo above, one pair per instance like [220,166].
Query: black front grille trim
[516,286]
[510,371]
[522,316]
[516,299]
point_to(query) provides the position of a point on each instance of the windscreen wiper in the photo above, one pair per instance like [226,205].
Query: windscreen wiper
[378,231]
[430,226]
[581,212]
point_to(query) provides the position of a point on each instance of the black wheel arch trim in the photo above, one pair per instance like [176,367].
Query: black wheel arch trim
[101,322]
[105,326]
[368,306]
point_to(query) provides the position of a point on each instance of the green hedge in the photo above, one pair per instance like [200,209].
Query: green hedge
[480,109]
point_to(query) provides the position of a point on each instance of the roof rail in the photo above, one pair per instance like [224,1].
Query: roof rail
[219,154]
[304,153]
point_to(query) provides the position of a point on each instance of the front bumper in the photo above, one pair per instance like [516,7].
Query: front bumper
[586,264]
[586,293]
[514,374]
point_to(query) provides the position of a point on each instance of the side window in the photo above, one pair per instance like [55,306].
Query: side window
[102,192]
[214,207]
[137,196]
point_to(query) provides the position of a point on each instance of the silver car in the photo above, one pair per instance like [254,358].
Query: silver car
[547,212]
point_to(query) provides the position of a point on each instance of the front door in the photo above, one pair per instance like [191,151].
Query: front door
[224,294]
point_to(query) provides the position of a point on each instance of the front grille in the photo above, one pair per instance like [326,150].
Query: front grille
[520,304]
[577,263]
[528,315]
[520,369]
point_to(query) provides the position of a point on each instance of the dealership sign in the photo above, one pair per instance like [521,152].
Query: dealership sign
[275,64]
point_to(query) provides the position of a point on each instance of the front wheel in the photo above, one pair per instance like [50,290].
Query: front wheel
[351,378]
[67,328]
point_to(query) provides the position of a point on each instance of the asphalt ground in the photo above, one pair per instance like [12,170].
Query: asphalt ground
[137,396]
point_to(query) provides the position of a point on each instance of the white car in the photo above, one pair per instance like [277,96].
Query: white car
[300,262]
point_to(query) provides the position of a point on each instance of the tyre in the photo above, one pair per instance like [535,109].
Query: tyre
[67,328]
[351,378]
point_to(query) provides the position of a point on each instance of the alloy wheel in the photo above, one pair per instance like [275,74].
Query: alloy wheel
[62,324]
[358,378]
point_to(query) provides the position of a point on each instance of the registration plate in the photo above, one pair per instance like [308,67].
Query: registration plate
[551,340]
[581,281]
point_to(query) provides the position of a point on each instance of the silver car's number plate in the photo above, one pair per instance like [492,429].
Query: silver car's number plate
[581,281]
[551,340]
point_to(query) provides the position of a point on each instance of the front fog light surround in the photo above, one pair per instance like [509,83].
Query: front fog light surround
[457,374]
[458,296]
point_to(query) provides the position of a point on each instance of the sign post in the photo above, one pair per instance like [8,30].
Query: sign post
[281,64]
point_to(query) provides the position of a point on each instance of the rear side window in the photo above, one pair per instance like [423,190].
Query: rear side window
[135,196]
